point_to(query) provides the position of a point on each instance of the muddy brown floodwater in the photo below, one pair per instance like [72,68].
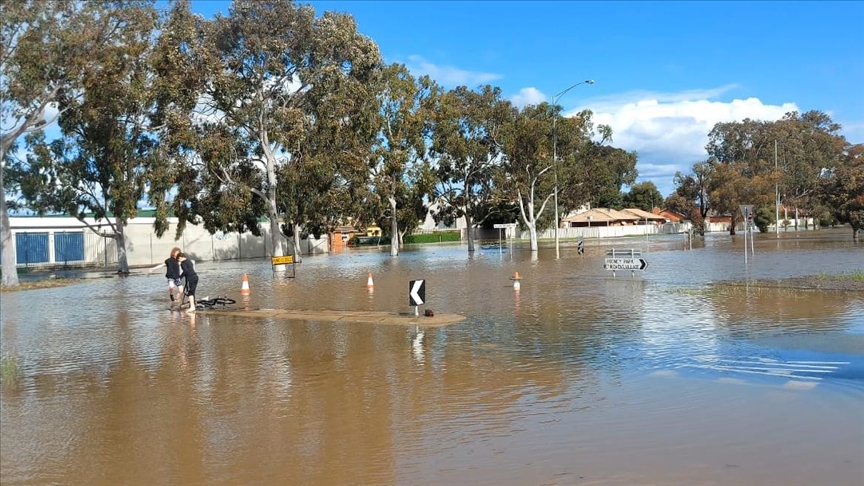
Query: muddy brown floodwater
[578,378]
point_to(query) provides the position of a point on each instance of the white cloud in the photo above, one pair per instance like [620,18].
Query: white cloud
[528,96]
[449,76]
[670,130]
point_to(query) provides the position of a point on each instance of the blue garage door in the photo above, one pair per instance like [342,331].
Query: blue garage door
[68,247]
[31,248]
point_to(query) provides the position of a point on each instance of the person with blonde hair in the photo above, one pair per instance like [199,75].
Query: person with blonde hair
[172,273]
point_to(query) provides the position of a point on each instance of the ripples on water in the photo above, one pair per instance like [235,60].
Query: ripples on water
[577,377]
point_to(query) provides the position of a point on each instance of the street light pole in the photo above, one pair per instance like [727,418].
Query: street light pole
[555,156]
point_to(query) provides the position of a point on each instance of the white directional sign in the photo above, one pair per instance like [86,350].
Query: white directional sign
[625,264]
[417,292]
[504,225]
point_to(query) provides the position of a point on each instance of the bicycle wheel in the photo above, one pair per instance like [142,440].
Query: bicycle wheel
[224,301]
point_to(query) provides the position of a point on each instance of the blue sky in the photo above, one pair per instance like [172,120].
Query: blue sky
[665,72]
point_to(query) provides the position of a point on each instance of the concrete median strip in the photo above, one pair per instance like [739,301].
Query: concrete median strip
[360,317]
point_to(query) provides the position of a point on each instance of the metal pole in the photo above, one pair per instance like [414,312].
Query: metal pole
[776,195]
[555,162]
[752,249]
[555,155]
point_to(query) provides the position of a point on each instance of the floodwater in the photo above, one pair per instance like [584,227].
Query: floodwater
[578,378]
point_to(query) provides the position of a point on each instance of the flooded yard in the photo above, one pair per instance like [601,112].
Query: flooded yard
[577,378]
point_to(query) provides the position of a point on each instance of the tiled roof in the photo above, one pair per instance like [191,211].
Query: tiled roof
[643,215]
[600,214]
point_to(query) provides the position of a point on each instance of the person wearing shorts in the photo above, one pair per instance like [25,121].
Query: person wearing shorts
[172,273]
[187,269]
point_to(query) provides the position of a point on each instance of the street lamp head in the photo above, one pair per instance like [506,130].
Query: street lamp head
[589,81]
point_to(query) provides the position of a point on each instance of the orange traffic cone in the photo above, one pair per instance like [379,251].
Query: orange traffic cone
[516,278]
[244,289]
[369,283]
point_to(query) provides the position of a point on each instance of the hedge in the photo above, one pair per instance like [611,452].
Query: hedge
[437,237]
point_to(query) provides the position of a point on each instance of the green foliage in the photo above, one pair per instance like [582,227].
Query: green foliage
[642,195]
[842,190]
[468,142]
[763,218]
[750,158]
[437,237]
[291,89]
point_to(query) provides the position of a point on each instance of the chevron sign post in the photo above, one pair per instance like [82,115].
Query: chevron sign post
[416,294]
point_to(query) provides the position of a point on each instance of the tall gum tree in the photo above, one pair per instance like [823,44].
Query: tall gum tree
[401,149]
[47,45]
[468,144]
[806,145]
[842,189]
[100,164]
[269,63]
[530,166]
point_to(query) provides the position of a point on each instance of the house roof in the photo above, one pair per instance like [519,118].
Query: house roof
[602,215]
[643,215]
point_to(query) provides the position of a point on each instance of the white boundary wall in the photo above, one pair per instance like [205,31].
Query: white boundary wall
[143,247]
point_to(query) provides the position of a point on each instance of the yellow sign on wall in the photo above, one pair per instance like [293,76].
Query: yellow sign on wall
[283,260]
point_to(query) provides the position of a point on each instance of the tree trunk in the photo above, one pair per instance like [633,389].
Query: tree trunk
[7,250]
[854,238]
[532,235]
[122,257]
[272,212]
[395,240]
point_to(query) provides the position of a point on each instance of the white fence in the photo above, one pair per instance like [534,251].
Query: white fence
[613,231]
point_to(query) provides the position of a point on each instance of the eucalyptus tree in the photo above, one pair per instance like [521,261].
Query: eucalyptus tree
[47,47]
[586,168]
[690,197]
[598,176]
[589,170]
[530,167]
[99,166]
[807,145]
[643,195]
[842,188]
[789,153]
[469,147]
[399,164]
[275,72]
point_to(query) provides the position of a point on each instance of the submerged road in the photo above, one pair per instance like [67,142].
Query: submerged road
[361,317]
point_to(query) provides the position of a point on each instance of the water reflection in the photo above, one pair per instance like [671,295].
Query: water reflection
[573,377]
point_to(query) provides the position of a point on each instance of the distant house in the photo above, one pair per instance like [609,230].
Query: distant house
[671,216]
[644,216]
[599,217]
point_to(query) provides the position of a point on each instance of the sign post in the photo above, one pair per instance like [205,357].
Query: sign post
[501,227]
[416,294]
[624,260]
[284,260]
[747,213]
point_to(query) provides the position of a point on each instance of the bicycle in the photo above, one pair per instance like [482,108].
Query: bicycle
[206,303]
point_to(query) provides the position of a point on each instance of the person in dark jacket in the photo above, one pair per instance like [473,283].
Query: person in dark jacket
[187,269]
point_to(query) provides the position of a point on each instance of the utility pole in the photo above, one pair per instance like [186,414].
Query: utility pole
[776,194]
[555,156]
